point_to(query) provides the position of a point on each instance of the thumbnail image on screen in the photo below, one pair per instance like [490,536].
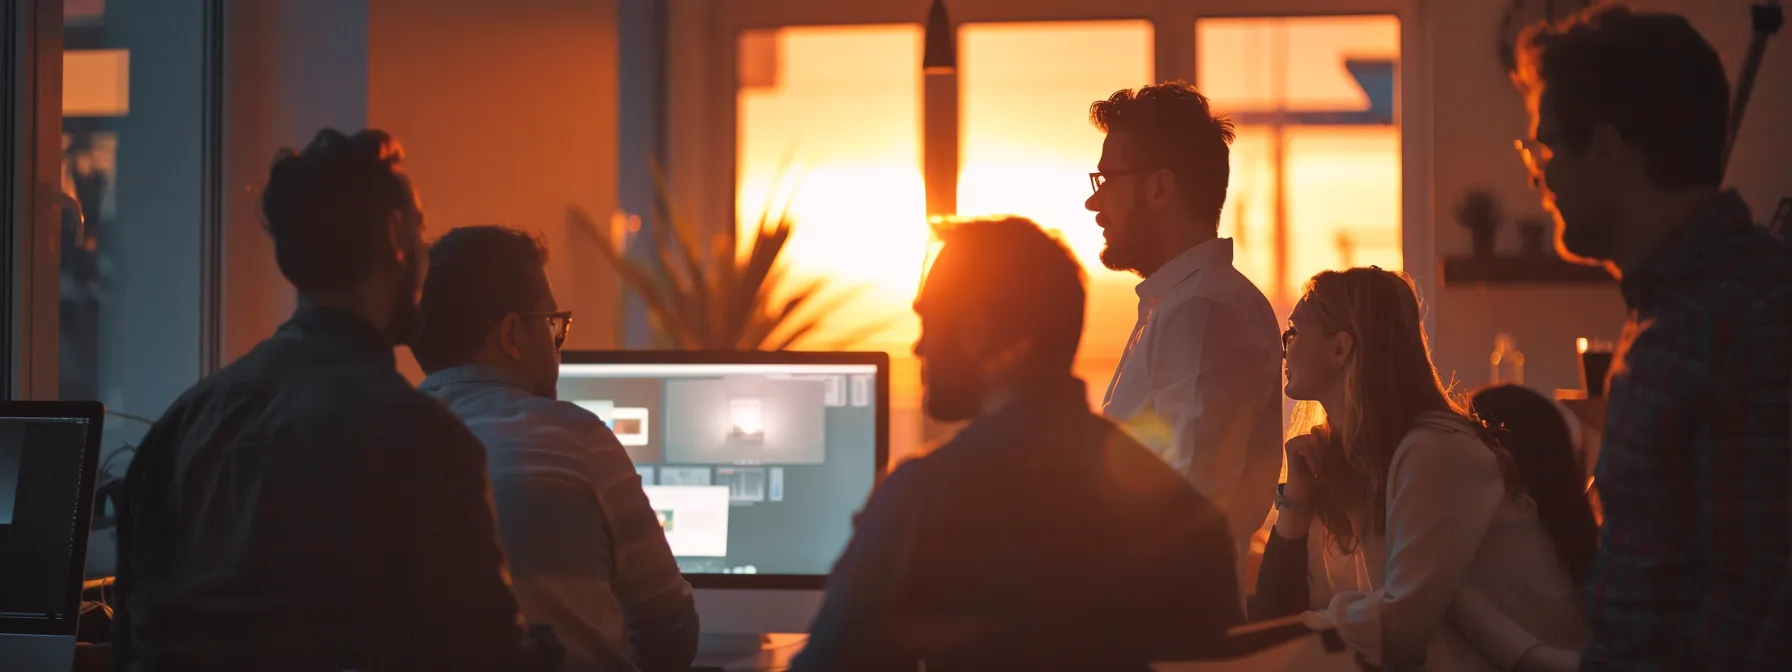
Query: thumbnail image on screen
[750,468]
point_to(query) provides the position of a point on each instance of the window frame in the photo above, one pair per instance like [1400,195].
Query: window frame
[32,171]
[30,326]
[702,100]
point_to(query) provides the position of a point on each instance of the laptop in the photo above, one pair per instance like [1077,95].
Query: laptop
[49,453]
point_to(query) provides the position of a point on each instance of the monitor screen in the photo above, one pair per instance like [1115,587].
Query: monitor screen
[42,484]
[753,468]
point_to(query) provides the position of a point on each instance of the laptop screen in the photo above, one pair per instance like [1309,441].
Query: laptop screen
[41,487]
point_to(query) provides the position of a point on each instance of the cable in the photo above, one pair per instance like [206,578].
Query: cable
[1765,18]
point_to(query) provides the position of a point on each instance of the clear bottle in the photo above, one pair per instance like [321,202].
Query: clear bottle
[1507,361]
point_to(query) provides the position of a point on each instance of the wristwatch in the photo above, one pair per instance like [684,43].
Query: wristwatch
[1283,502]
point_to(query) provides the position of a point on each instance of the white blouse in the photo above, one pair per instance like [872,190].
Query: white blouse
[1465,577]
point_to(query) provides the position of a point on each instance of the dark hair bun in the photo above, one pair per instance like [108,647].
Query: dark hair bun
[327,207]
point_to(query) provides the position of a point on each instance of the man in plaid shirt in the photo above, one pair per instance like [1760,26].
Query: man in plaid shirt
[1628,131]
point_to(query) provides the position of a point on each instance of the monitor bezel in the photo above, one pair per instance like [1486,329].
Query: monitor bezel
[94,413]
[880,360]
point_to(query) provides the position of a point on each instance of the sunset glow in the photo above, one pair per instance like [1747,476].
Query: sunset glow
[843,105]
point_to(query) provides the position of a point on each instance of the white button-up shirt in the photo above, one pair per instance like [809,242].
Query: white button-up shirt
[1200,383]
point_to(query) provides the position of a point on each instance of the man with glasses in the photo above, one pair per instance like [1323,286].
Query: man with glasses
[1629,118]
[586,552]
[1200,380]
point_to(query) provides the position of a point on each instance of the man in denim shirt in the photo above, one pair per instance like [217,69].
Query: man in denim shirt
[587,555]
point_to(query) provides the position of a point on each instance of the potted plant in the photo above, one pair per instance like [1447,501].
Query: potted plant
[1480,212]
[1533,235]
[705,292]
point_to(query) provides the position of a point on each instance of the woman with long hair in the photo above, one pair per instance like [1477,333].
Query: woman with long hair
[1430,554]
[1533,431]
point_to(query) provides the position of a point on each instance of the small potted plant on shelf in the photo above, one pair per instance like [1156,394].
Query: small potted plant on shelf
[1533,235]
[1480,212]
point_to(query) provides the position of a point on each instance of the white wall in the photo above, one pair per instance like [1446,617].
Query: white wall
[507,112]
[1476,114]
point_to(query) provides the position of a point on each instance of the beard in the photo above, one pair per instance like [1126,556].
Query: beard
[950,391]
[1127,243]
[547,380]
[406,321]
[1585,237]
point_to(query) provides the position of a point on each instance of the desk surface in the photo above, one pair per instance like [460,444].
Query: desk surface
[758,653]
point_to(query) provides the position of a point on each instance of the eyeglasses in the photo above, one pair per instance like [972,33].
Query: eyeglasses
[1096,180]
[1535,156]
[560,323]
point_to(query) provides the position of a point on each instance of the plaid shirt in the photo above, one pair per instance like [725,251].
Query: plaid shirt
[1694,470]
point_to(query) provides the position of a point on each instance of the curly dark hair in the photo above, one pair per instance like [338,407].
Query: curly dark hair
[1176,129]
[1650,75]
[328,207]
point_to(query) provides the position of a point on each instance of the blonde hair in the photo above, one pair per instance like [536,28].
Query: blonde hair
[1389,381]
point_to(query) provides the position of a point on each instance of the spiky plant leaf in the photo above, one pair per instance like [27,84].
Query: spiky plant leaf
[715,291]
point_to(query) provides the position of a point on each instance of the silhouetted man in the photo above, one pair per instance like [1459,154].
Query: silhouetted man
[1628,114]
[305,508]
[1200,381]
[1041,536]
[587,554]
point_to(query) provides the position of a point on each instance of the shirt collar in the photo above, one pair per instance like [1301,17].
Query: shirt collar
[1682,253]
[470,374]
[1184,266]
[342,326]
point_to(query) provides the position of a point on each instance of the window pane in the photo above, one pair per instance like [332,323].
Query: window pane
[843,105]
[1028,147]
[133,83]
[1341,160]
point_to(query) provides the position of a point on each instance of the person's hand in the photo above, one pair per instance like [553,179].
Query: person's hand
[1299,452]
[1296,514]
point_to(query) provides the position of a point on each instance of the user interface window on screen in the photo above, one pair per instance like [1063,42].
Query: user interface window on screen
[40,492]
[753,469]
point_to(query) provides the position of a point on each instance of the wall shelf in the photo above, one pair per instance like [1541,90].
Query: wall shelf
[1516,269]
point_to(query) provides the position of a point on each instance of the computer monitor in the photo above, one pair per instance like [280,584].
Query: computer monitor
[755,461]
[49,453]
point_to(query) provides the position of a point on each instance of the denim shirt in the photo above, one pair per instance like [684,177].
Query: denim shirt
[587,555]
